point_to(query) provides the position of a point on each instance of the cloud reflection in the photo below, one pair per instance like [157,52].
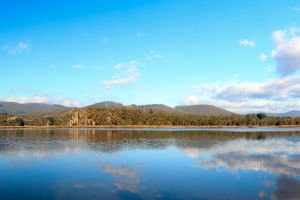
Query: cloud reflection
[126,178]
[278,156]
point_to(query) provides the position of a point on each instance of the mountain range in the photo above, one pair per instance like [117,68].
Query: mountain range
[205,110]
[208,110]
[286,114]
[19,109]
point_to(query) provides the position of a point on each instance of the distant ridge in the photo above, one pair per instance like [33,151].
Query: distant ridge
[18,108]
[107,104]
[293,113]
[208,110]
[158,108]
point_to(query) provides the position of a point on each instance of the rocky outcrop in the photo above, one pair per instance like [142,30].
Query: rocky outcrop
[80,118]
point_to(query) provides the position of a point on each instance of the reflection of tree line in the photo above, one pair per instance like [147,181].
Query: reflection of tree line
[114,140]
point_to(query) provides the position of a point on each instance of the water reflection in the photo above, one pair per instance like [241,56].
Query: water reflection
[287,188]
[89,164]
[126,177]
[278,156]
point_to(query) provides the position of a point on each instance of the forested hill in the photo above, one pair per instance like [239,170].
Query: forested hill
[17,108]
[207,110]
[107,104]
[111,114]
[97,116]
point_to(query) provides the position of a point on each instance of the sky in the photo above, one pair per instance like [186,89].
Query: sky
[243,56]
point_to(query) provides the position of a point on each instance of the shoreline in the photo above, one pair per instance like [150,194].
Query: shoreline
[143,127]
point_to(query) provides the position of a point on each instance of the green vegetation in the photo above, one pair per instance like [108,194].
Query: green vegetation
[7,120]
[17,108]
[204,110]
[97,116]
[18,122]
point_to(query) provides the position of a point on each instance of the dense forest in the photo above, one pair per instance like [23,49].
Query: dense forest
[93,116]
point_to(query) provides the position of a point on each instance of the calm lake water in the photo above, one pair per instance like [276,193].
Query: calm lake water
[150,164]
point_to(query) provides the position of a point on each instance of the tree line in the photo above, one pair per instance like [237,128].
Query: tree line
[125,116]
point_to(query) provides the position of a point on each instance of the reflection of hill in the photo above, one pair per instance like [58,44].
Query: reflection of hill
[108,140]
[287,189]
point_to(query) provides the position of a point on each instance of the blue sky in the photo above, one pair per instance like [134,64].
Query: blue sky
[240,55]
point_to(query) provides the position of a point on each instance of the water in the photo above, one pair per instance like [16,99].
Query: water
[150,164]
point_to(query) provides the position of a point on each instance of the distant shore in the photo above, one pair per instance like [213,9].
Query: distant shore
[142,126]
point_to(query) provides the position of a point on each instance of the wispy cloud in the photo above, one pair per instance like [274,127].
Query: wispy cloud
[153,56]
[20,47]
[127,74]
[119,66]
[84,66]
[117,80]
[247,43]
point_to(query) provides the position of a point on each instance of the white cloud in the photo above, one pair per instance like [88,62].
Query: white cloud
[279,36]
[119,81]
[129,74]
[275,95]
[253,106]
[19,48]
[263,57]
[247,43]
[287,51]
[279,88]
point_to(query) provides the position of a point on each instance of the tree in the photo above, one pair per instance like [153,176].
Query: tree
[50,121]
[19,122]
[261,115]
